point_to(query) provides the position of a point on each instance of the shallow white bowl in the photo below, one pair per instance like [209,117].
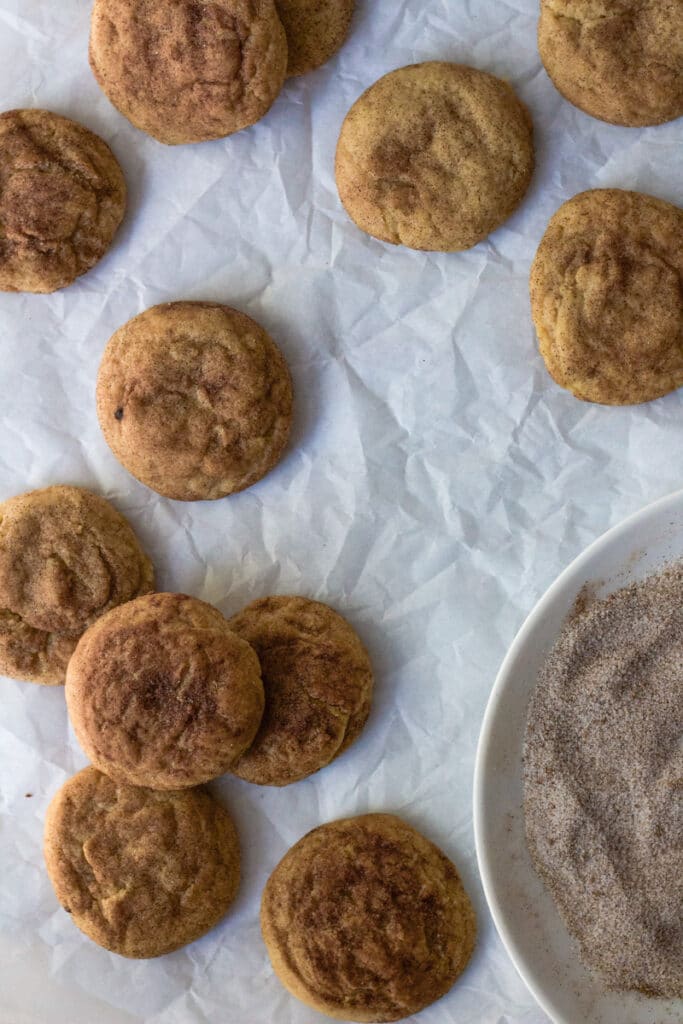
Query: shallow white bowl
[523,911]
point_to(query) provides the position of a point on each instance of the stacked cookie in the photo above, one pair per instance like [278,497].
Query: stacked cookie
[187,71]
[165,694]
[190,71]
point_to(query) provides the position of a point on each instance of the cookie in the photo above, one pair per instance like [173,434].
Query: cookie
[66,557]
[315,30]
[194,399]
[434,156]
[618,60]
[162,694]
[365,920]
[188,70]
[62,198]
[140,872]
[607,297]
[317,679]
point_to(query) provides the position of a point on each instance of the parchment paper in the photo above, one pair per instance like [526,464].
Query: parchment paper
[437,480]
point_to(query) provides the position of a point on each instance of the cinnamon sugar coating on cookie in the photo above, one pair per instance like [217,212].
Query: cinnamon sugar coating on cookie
[607,297]
[66,557]
[140,872]
[161,693]
[434,156]
[189,70]
[618,60]
[194,399]
[62,198]
[318,682]
[366,920]
[315,30]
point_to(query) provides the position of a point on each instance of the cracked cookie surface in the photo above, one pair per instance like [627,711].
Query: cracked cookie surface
[434,156]
[62,198]
[66,557]
[365,919]
[189,70]
[195,400]
[618,60]
[318,682]
[607,297]
[140,872]
[315,30]
[161,693]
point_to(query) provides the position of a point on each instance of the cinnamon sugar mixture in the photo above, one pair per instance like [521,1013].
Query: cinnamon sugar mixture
[603,772]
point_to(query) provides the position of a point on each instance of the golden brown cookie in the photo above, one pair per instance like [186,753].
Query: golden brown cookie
[62,197]
[607,297]
[365,920]
[194,399]
[434,156]
[189,70]
[315,30]
[140,872]
[317,679]
[161,693]
[66,557]
[618,60]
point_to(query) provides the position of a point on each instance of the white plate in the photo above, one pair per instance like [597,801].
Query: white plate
[523,911]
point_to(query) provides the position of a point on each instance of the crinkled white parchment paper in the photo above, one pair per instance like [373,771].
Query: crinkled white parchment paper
[437,481]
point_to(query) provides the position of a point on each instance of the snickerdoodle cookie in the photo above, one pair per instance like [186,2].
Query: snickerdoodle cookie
[62,197]
[162,694]
[317,679]
[366,920]
[189,70]
[618,60]
[315,30]
[607,297]
[194,399]
[66,557]
[434,156]
[140,872]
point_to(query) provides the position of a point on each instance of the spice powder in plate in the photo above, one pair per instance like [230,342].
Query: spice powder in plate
[603,782]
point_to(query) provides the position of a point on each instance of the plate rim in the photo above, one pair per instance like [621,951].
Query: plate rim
[624,526]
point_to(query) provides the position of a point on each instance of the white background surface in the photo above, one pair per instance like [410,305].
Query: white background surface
[437,481]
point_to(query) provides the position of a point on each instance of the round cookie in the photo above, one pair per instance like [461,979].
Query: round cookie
[365,920]
[607,297]
[315,30]
[161,693]
[62,197]
[618,60]
[194,399]
[187,70]
[141,873]
[434,156]
[66,557]
[317,679]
